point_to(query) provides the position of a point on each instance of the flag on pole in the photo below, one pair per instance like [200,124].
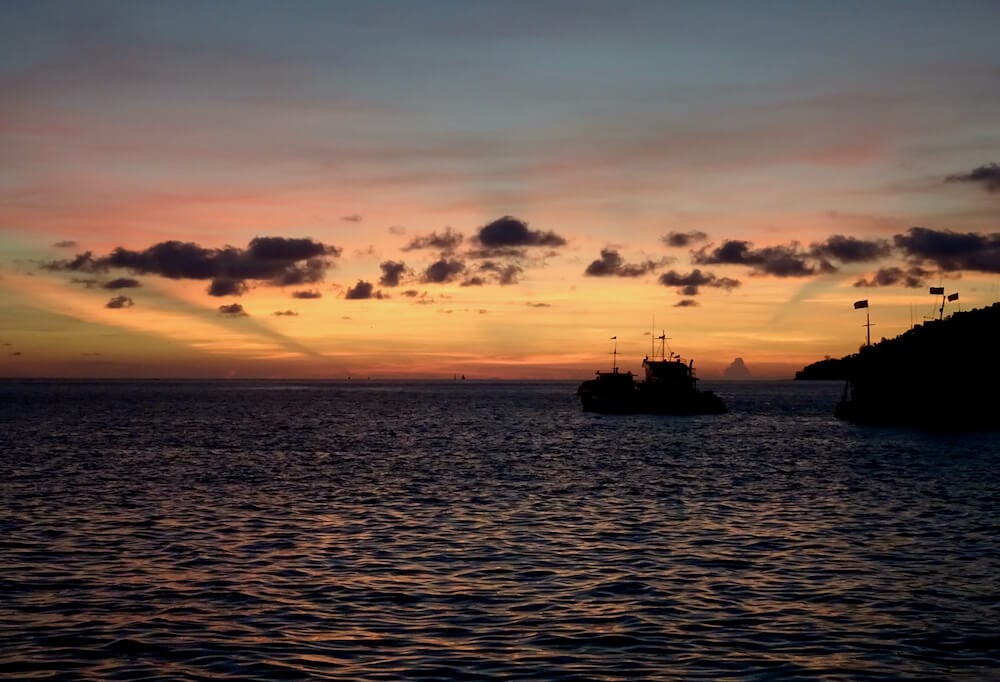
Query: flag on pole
[953,297]
[937,291]
[861,304]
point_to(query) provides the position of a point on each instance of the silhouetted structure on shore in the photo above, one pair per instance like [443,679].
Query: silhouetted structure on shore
[942,374]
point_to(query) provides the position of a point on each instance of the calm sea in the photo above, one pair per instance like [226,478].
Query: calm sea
[485,531]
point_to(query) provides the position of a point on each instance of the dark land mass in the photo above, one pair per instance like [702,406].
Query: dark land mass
[943,374]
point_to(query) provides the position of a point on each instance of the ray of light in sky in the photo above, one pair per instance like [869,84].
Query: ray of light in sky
[322,189]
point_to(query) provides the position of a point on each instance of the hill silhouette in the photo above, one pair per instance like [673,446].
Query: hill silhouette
[941,374]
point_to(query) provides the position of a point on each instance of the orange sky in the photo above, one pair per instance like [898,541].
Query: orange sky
[736,176]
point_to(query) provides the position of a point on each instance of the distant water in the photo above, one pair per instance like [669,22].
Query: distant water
[485,531]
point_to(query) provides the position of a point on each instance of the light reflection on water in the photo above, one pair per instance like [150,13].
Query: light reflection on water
[485,531]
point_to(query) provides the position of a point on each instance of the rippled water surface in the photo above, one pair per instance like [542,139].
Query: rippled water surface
[472,530]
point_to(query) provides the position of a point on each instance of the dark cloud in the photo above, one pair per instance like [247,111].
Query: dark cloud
[84,262]
[285,313]
[233,310]
[311,293]
[538,305]
[611,264]
[122,283]
[911,277]
[85,281]
[851,250]
[65,244]
[286,249]
[392,273]
[509,232]
[362,290]
[509,274]
[473,282]
[987,176]
[502,273]
[952,251]
[682,239]
[119,302]
[691,283]
[446,243]
[686,303]
[508,252]
[780,261]
[443,270]
[411,293]
[278,261]
[226,286]
[353,218]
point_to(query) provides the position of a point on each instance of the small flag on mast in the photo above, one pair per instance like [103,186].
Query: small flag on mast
[953,297]
[861,304]
[937,291]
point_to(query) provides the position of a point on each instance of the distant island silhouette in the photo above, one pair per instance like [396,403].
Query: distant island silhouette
[940,374]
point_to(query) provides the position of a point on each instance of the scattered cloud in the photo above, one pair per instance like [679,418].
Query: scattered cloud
[446,243]
[83,262]
[686,303]
[307,294]
[502,273]
[122,283]
[988,176]
[682,239]
[353,218]
[226,286]
[911,277]
[392,273]
[285,313]
[443,270]
[610,264]
[275,261]
[65,244]
[233,310]
[780,261]
[363,290]
[851,249]
[473,282]
[531,304]
[508,233]
[690,284]
[951,251]
[119,302]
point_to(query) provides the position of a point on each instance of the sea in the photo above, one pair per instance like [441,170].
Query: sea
[485,530]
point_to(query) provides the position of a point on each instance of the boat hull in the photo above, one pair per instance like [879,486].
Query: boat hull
[639,399]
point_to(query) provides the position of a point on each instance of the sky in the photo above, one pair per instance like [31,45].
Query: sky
[490,189]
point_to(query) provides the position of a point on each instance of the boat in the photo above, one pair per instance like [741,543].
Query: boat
[669,387]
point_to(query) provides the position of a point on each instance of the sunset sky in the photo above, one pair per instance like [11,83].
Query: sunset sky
[494,189]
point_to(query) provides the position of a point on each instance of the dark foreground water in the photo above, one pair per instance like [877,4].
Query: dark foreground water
[468,530]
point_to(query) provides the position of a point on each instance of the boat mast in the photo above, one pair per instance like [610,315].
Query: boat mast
[663,342]
[614,356]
